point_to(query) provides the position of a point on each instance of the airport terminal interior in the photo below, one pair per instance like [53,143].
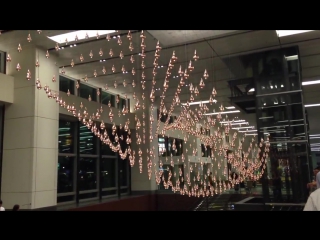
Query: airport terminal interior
[159,120]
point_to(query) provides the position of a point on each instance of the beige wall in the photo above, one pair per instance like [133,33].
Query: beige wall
[29,168]
[6,88]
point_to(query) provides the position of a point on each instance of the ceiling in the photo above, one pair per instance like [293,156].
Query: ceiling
[214,48]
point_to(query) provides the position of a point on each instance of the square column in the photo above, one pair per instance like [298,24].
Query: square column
[140,181]
[29,168]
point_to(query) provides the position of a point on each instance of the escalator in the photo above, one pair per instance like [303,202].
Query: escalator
[223,202]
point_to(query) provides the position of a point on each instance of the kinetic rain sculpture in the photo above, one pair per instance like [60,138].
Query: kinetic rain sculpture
[248,164]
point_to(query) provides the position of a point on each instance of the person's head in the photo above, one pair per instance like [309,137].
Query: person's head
[316,170]
[318,180]
[16,207]
[0,203]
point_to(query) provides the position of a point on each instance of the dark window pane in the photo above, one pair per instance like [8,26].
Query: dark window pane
[66,137]
[106,97]
[85,91]
[88,174]
[88,195]
[123,172]
[108,172]
[65,199]
[66,84]
[124,190]
[106,150]
[109,193]
[122,103]
[65,174]
[87,141]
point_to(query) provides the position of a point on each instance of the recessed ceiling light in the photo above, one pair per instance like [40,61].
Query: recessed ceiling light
[227,112]
[195,103]
[81,34]
[283,33]
[312,105]
[310,82]
[291,58]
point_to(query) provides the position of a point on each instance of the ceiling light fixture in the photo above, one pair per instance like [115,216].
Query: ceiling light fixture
[310,82]
[235,121]
[291,58]
[253,130]
[312,105]
[195,103]
[251,90]
[237,128]
[284,33]
[81,34]
[231,107]
[227,112]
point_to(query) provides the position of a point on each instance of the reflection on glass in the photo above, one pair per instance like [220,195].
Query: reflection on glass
[123,172]
[87,141]
[122,103]
[168,146]
[65,174]
[66,84]
[108,172]
[88,174]
[85,91]
[66,136]
[106,97]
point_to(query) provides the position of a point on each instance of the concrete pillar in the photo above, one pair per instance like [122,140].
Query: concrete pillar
[140,181]
[29,168]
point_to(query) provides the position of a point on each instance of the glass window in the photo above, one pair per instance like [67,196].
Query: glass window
[85,91]
[108,173]
[122,103]
[69,198]
[88,174]
[65,174]
[87,141]
[3,62]
[106,97]
[66,84]
[106,150]
[109,193]
[88,195]
[66,136]
[123,172]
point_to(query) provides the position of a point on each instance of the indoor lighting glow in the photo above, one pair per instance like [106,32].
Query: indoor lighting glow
[312,105]
[310,82]
[251,90]
[216,113]
[235,121]
[254,130]
[283,33]
[195,103]
[231,107]
[81,34]
[291,58]
[237,128]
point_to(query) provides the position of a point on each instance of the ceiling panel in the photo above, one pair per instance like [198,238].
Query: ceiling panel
[175,37]
[300,37]
[311,72]
[307,48]
[310,61]
[247,41]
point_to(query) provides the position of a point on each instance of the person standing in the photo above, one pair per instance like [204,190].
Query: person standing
[1,208]
[16,207]
[313,203]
